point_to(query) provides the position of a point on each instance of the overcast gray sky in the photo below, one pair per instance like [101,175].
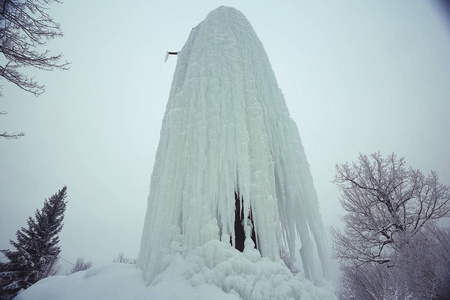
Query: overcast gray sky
[358,76]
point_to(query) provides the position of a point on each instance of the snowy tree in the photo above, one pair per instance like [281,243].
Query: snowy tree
[369,281]
[386,203]
[391,247]
[80,265]
[36,249]
[424,263]
[422,271]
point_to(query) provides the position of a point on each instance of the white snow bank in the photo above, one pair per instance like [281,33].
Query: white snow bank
[116,282]
[213,271]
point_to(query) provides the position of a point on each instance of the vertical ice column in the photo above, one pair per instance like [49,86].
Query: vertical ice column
[227,130]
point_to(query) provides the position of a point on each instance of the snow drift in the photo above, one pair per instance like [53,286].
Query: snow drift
[214,270]
[227,133]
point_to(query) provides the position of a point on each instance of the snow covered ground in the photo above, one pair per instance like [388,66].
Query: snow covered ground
[213,271]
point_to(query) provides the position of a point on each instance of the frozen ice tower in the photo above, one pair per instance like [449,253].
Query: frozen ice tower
[230,169]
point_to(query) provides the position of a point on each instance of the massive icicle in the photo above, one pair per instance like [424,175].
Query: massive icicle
[227,129]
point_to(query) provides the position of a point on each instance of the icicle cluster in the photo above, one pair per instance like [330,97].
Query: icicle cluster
[227,129]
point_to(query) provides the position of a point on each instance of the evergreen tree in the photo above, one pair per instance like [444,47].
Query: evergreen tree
[36,249]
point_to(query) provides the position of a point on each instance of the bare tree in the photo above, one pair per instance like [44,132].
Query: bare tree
[80,265]
[122,259]
[25,28]
[386,205]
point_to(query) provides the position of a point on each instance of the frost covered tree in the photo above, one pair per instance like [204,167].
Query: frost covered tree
[424,263]
[386,204]
[36,249]
[389,230]
[25,28]
[368,281]
[422,271]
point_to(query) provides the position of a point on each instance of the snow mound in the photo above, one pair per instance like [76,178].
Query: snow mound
[214,270]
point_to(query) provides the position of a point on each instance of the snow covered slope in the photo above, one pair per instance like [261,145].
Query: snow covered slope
[117,282]
[212,271]
[227,130]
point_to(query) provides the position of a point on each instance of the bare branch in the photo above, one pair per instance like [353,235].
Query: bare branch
[25,28]
[12,135]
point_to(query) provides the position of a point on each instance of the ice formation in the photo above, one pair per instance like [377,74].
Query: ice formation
[226,132]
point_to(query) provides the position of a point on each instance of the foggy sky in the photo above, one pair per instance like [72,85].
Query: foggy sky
[357,76]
